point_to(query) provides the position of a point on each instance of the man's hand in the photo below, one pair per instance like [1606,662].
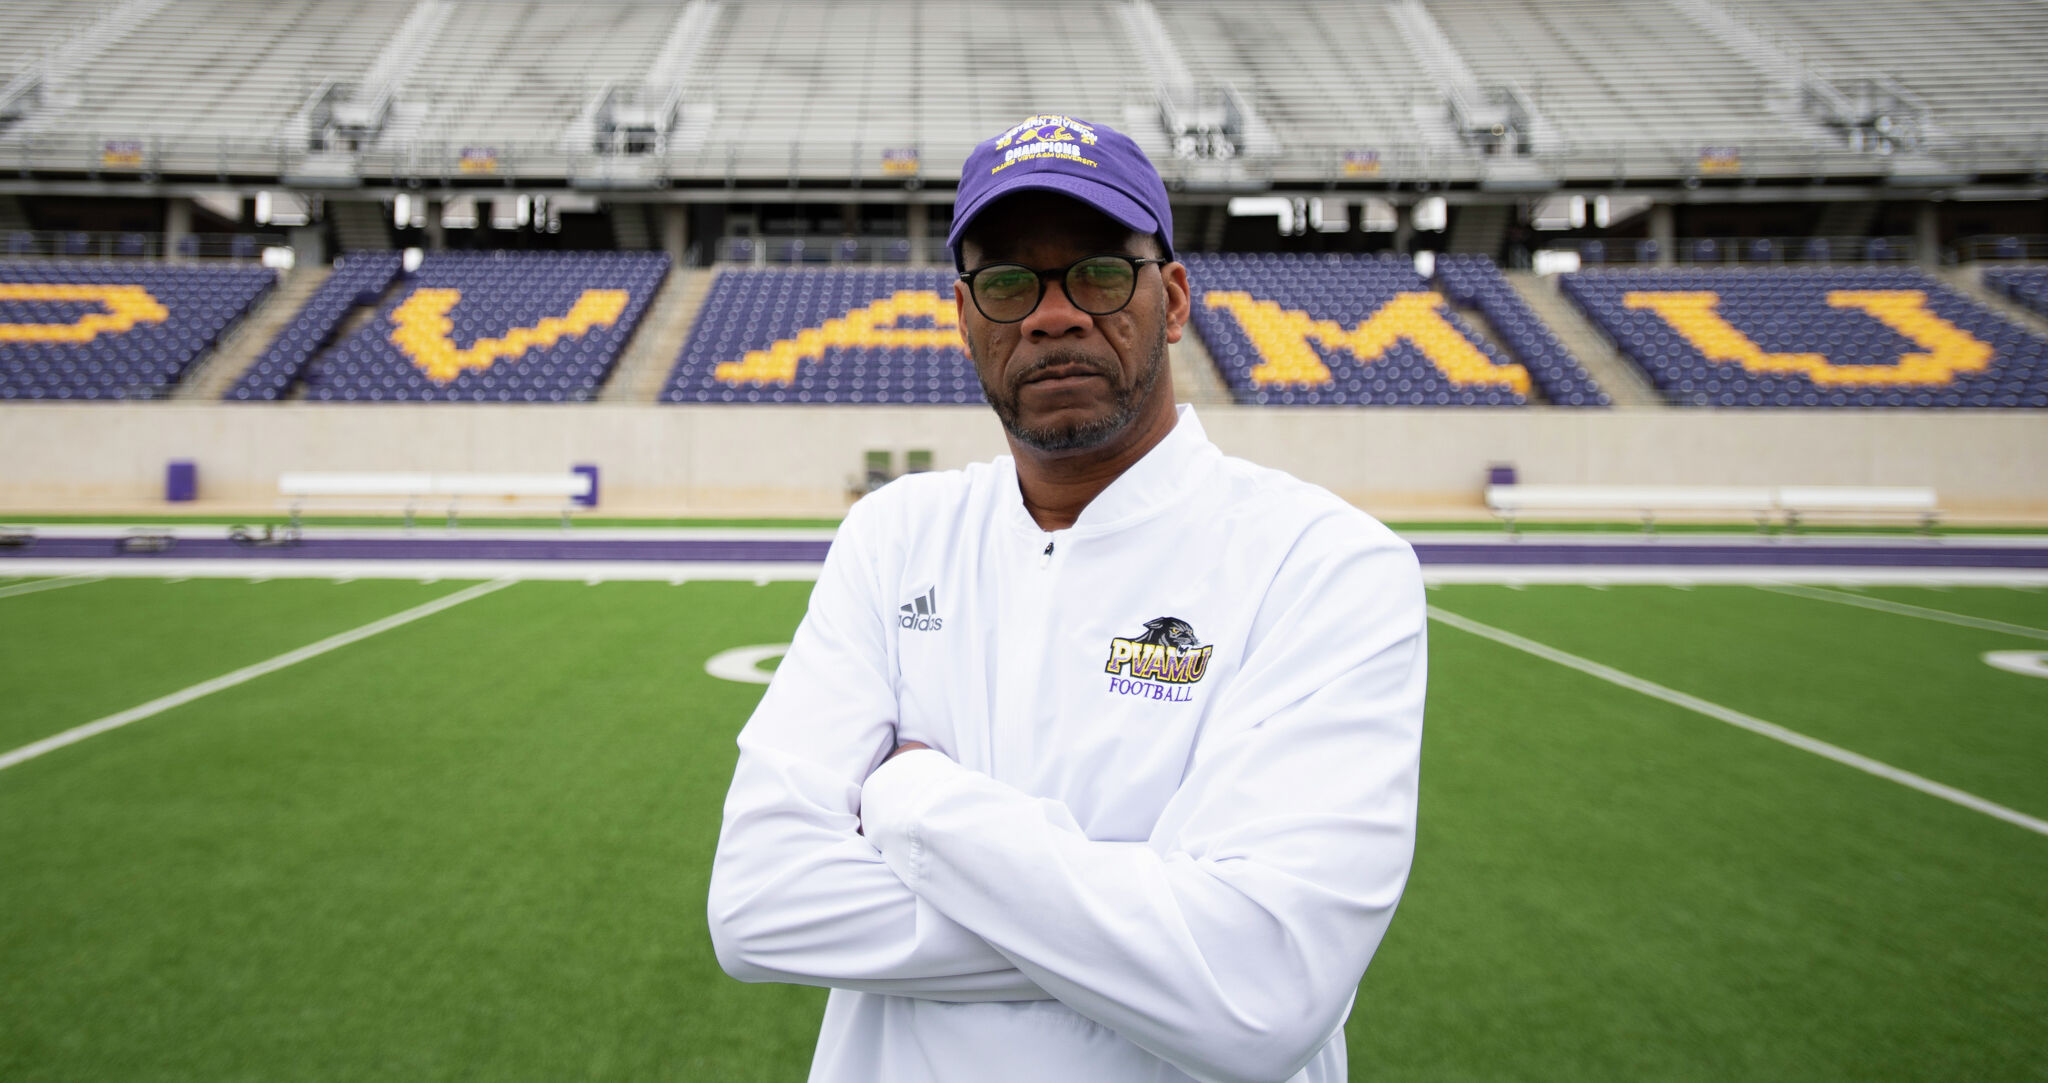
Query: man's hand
[907,746]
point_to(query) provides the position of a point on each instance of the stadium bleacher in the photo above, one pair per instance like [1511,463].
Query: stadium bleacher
[1342,330]
[493,327]
[2027,285]
[205,70]
[779,88]
[114,330]
[359,279]
[826,336]
[1981,68]
[1827,337]
[1477,282]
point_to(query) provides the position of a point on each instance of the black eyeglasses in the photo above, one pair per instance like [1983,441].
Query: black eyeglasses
[1097,285]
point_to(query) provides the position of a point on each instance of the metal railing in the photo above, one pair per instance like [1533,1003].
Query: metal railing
[2006,247]
[96,244]
[826,250]
[1695,251]
[1762,156]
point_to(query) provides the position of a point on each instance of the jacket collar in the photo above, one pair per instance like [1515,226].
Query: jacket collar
[1149,486]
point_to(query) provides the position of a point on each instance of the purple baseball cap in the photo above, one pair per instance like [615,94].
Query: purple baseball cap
[1093,163]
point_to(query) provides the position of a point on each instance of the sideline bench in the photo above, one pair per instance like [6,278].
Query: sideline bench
[1793,503]
[1858,502]
[1512,502]
[408,492]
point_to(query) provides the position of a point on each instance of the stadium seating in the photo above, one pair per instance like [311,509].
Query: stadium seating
[1980,67]
[837,336]
[1476,282]
[359,279]
[1833,337]
[114,330]
[494,327]
[209,70]
[1337,330]
[2027,285]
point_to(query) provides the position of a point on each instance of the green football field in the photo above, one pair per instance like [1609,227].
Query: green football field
[474,843]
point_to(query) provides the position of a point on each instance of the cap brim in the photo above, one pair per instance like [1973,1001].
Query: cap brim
[1127,211]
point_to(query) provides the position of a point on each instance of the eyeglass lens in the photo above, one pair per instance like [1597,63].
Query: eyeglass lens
[1098,286]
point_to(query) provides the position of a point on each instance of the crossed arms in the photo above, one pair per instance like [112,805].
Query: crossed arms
[1228,943]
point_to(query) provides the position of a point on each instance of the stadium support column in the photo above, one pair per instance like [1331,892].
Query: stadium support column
[1927,233]
[437,236]
[919,223]
[675,232]
[1664,232]
[1404,226]
[177,227]
[309,247]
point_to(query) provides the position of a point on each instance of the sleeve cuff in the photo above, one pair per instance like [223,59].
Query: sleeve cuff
[892,800]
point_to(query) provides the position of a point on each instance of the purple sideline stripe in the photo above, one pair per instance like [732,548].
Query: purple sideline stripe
[1689,554]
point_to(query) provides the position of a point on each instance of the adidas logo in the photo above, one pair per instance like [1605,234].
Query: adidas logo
[921,614]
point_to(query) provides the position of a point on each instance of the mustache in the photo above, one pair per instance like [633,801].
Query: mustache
[1066,358]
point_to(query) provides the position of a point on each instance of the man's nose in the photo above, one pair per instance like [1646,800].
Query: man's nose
[1056,316]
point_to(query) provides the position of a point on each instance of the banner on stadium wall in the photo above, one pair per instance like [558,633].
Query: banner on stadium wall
[1361,163]
[1720,160]
[899,161]
[121,153]
[479,160]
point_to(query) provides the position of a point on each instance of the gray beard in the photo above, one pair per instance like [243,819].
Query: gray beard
[1130,403]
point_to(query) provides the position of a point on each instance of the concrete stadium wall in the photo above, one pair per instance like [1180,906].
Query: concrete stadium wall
[708,460]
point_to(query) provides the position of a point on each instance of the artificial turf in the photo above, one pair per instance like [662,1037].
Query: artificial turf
[476,846]
[550,522]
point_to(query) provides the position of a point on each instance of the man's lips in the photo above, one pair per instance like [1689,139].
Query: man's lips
[1058,376]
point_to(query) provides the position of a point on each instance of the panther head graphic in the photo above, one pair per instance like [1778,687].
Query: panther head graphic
[1169,632]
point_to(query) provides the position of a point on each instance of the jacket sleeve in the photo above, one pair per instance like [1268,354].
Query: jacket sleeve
[1232,941]
[797,895]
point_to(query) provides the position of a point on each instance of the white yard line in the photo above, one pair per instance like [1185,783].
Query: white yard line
[246,673]
[1742,721]
[1901,608]
[47,584]
[290,568]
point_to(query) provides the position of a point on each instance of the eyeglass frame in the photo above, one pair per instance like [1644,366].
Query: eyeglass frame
[1138,263]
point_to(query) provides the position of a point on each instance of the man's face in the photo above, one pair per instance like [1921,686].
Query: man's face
[1062,379]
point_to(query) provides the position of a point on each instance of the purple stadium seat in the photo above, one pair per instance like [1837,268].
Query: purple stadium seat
[2027,285]
[1268,321]
[1860,337]
[359,278]
[107,330]
[467,327]
[1476,282]
[826,336]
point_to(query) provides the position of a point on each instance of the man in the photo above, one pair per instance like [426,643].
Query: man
[1097,762]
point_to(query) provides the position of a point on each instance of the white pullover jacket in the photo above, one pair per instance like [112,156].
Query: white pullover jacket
[1170,802]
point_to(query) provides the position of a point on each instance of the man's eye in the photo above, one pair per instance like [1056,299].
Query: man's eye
[1104,274]
[1007,283]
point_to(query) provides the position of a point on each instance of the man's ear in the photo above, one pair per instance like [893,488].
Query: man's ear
[1179,299]
[960,303]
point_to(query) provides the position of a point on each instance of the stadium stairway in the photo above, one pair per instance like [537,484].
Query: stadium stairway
[1195,379]
[630,229]
[1623,382]
[1479,228]
[12,219]
[648,361]
[215,373]
[360,226]
[1968,280]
